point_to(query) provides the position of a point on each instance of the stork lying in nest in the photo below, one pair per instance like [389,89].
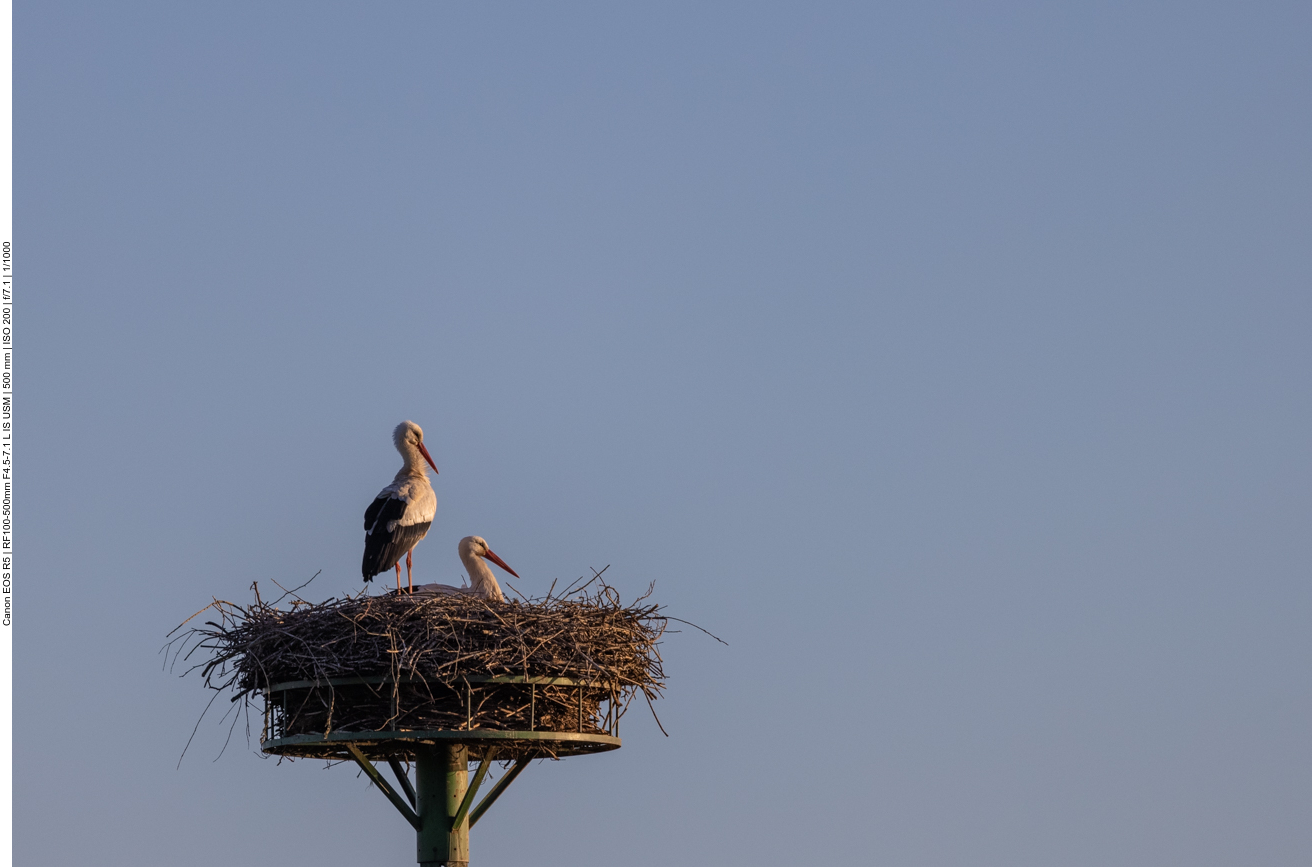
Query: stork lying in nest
[482,583]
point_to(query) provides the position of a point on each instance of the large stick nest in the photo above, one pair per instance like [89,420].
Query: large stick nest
[425,661]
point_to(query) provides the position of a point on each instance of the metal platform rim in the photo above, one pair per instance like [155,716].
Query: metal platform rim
[598,743]
[357,680]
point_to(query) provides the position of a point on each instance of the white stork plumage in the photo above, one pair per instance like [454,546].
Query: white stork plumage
[403,511]
[473,550]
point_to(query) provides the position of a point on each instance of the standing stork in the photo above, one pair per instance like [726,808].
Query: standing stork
[403,511]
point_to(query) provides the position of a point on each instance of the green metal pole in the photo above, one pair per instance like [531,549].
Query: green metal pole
[441,774]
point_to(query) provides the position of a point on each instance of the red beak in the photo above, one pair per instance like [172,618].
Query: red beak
[502,563]
[427,456]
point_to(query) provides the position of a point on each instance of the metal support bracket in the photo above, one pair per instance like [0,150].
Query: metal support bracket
[385,788]
[403,779]
[501,786]
[472,790]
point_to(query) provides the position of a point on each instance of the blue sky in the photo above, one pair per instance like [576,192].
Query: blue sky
[950,361]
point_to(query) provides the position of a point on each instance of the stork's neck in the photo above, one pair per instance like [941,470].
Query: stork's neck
[415,465]
[481,578]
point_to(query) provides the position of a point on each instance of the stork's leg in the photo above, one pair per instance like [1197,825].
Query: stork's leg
[398,577]
[408,566]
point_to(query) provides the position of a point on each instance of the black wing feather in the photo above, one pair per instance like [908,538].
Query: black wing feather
[382,549]
[371,513]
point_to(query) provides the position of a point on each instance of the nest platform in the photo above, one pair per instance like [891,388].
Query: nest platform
[540,717]
[387,677]
[436,683]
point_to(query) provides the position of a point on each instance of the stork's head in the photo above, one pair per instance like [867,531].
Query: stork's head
[476,546]
[409,441]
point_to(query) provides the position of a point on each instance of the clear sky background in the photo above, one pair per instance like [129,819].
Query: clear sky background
[949,360]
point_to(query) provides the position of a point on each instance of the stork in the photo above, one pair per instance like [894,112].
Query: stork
[473,550]
[403,511]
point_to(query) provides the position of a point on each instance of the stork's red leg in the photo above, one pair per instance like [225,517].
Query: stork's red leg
[398,577]
[408,577]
